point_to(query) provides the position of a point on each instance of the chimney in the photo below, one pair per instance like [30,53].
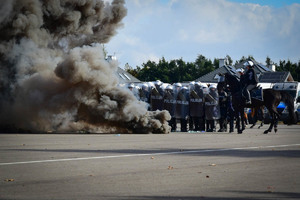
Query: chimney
[223,62]
[272,67]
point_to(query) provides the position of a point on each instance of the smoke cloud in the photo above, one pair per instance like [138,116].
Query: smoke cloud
[53,72]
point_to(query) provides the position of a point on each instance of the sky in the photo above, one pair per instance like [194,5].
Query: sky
[176,29]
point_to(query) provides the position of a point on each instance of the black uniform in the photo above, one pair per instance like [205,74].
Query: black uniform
[212,109]
[182,108]
[223,102]
[169,104]
[156,99]
[197,108]
[144,95]
[250,82]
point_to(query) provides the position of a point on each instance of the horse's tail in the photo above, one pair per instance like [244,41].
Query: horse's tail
[289,102]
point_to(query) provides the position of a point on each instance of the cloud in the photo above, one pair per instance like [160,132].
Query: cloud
[212,28]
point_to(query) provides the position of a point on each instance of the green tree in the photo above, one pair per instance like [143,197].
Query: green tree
[269,61]
[203,65]
[216,63]
[179,71]
[230,61]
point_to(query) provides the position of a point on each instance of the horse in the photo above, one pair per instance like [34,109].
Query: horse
[271,99]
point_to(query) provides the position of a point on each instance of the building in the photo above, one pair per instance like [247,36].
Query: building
[264,74]
[276,77]
[213,77]
[124,77]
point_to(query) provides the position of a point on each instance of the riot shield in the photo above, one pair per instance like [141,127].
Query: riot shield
[182,104]
[156,100]
[169,102]
[196,102]
[212,108]
[144,95]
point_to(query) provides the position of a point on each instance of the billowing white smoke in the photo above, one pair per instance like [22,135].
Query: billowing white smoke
[53,72]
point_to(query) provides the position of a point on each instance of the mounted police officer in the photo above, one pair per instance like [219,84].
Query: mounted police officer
[250,81]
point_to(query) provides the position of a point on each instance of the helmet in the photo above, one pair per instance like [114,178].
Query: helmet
[198,83]
[240,70]
[178,84]
[151,85]
[158,82]
[192,83]
[249,63]
[137,87]
[164,86]
[145,86]
[169,87]
[212,87]
[131,85]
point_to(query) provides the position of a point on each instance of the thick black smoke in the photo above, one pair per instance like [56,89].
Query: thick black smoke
[53,72]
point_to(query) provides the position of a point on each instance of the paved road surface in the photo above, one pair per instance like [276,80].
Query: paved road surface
[173,166]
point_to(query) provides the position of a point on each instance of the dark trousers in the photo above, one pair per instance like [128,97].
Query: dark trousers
[183,125]
[197,124]
[173,124]
[223,124]
[210,126]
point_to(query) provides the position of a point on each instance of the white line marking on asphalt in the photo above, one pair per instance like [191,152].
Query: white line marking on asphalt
[147,154]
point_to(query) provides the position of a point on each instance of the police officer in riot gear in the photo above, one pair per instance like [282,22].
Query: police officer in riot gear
[156,96]
[223,103]
[197,107]
[144,94]
[182,108]
[212,109]
[170,105]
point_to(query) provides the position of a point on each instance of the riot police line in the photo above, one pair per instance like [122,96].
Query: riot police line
[194,106]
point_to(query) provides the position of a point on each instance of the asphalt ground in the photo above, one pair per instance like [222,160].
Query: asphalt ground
[179,165]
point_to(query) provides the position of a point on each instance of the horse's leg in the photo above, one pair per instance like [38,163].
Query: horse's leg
[261,125]
[243,118]
[272,114]
[254,124]
[239,121]
[243,122]
[276,122]
[275,118]
[254,120]
[262,117]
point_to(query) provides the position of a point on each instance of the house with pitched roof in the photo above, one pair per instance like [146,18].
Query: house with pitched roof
[213,77]
[124,77]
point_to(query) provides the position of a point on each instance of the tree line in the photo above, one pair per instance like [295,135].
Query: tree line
[178,70]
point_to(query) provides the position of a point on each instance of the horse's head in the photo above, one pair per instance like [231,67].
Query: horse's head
[230,81]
